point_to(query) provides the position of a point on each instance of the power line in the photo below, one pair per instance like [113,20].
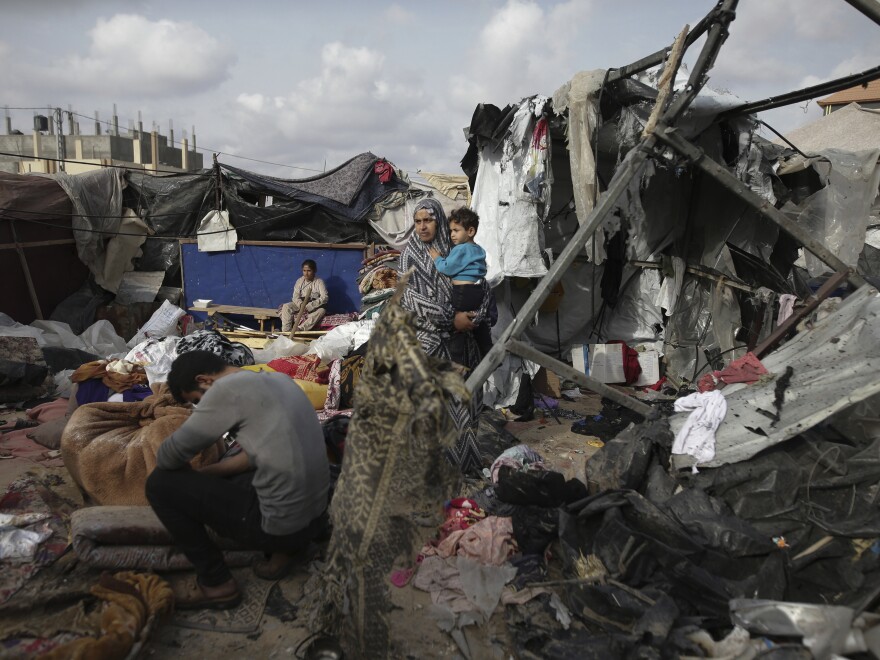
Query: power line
[3,216]
[209,149]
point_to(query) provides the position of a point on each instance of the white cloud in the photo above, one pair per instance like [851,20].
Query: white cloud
[130,54]
[524,49]
[354,103]
[397,15]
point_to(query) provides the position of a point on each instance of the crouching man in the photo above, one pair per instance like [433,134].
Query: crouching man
[272,496]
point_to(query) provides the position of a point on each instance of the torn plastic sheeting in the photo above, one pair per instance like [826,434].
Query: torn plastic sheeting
[510,222]
[834,366]
[711,521]
[624,461]
[172,205]
[580,97]
[502,387]
[21,544]
[838,214]
[97,200]
[121,251]
[823,628]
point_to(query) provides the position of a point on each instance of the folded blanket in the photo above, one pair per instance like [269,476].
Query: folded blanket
[110,448]
[119,537]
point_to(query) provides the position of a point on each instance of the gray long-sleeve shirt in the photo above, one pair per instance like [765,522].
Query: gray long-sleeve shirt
[276,425]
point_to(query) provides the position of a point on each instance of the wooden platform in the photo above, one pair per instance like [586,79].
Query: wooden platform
[260,314]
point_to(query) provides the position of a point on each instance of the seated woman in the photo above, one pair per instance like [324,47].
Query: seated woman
[309,300]
[429,296]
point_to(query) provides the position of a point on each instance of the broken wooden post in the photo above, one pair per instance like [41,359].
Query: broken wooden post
[27,272]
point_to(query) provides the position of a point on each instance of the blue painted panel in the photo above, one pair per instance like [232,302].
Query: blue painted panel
[263,275]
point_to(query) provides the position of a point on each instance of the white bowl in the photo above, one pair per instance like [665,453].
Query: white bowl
[202,303]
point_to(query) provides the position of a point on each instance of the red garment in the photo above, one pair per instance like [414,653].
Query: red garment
[461,513]
[709,382]
[631,367]
[747,369]
[658,385]
[301,367]
[384,170]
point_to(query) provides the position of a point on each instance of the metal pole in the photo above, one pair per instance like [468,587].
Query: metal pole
[724,15]
[870,8]
[531,353]
[812,303]
[726,179]
[805,94]
[657,58]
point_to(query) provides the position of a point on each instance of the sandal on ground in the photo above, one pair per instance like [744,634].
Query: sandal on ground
[188,595]
[277,566]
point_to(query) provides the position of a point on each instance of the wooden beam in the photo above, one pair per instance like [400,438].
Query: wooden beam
[552,364]
[782,330]
[27,272]
[303,244]
[33,244]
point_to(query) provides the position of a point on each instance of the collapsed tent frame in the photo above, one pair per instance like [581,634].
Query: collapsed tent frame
[662,140]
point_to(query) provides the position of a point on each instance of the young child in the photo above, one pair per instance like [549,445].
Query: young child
[466,266]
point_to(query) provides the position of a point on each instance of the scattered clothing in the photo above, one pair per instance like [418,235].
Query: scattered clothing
[747,369]
[520,457]
[697,436]
[786,307]
[490,541]
[117,375]
[233,353]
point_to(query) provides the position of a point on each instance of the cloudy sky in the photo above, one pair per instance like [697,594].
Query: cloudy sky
[312,83]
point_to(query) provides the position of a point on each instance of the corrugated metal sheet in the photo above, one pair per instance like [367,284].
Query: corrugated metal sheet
[836,364]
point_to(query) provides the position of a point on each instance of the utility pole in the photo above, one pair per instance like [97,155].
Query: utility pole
[59,139]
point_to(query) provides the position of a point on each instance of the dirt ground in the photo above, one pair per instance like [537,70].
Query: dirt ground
[282,632]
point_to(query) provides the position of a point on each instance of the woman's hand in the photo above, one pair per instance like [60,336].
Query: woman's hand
[463,321]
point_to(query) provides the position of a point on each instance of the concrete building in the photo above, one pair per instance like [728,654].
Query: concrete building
[150,151]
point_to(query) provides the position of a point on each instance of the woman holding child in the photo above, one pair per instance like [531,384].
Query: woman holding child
[443,332]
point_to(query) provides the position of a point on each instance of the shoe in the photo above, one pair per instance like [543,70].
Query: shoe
[277,566]
[188,595]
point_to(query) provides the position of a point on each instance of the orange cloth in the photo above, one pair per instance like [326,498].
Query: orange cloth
[116,382]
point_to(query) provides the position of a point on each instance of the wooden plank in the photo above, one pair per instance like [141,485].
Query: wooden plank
[783,329]
[256,312]
[301,244]
[27,272]
[15,246]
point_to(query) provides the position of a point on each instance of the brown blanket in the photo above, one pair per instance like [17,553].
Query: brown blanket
[110,448]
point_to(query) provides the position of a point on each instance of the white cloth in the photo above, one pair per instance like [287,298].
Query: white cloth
[697,436]
[786,307]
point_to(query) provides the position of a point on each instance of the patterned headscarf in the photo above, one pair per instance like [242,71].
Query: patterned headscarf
[428,293]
